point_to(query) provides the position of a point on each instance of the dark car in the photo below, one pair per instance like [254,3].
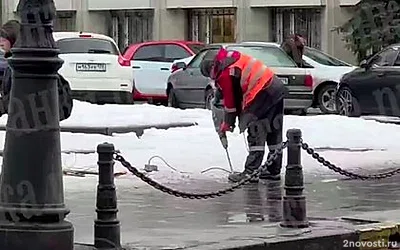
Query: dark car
[187,88]
[374,88]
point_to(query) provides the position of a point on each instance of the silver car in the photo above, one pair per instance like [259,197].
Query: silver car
[188,88]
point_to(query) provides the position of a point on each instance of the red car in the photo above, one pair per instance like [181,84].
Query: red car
[152,62]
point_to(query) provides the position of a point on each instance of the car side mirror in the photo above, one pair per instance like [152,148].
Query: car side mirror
[180,65]
[364,64]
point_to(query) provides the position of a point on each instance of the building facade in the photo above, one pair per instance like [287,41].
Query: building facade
[210,21]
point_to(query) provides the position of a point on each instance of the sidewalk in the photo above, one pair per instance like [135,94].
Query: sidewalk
[153,220]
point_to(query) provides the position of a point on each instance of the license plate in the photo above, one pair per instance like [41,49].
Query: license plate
[91,67]
[284,80]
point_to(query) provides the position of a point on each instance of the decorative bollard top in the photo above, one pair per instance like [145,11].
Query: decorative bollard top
[294,135]
[105,148]
[36,24]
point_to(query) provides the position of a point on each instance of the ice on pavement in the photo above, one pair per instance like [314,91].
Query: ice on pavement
[193,149]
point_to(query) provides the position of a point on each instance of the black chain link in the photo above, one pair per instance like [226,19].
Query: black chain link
[180,194]
[346,173]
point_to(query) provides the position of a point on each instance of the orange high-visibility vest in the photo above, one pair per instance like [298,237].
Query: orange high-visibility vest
[255,77]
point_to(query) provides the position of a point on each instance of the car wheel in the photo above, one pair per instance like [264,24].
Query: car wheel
[208,98]
[346,103]
[172,100]
[326,99]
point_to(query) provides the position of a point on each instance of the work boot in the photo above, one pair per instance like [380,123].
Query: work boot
[273,171]
[267,175]
[239,176]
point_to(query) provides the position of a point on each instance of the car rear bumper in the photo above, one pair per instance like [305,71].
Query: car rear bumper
[138,96]
[102,97]
[299,100]
[101,84]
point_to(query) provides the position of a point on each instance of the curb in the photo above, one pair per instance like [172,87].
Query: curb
[110,130]
[378,236]
[323,234]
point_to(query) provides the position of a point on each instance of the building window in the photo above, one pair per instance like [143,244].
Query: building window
[212,25]
[65,21]
[304,21]
[132,27]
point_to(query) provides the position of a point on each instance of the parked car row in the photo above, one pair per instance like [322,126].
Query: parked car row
[337,87]
[169,72]
[323,72]
[187,87]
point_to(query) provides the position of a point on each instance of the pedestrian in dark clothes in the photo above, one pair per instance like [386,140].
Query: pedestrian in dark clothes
[9,34]
[294,47]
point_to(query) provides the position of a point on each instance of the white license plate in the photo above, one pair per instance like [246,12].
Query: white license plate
[284,80]
[91,67]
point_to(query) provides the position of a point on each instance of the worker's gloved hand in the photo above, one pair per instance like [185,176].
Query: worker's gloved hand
[225,127]
[229,122]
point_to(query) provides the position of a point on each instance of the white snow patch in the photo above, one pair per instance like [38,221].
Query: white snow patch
[193,149]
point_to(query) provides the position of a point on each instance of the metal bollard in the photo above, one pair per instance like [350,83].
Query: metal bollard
[294,202]
[106,226]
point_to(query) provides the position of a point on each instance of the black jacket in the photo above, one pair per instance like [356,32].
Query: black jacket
[64,94]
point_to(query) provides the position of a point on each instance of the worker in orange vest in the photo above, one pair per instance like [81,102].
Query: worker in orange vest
[252,93]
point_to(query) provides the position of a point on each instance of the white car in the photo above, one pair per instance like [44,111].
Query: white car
[94,67]
[327,72]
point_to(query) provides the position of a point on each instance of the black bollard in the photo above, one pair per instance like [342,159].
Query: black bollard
[294,202]
[107,225]
[32,209]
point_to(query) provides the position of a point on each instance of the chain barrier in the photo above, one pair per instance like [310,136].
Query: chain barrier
[118,157]
[346,173]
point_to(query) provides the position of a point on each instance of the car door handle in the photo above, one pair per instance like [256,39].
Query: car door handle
[165,69]
[135,67]
[381,74]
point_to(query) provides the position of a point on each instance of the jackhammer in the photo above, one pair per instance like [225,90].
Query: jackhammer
[218,113]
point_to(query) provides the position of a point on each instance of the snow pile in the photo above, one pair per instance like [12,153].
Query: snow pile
[193,149]
[86,114]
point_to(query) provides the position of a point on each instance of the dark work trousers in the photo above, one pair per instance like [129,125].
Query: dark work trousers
[267,130]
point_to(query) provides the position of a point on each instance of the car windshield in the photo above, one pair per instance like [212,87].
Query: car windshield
[270,56]
[323,58]
[86,45]
[196,47]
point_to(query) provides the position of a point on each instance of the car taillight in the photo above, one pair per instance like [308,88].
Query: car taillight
[174,68]
[308,81]
[124,62]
